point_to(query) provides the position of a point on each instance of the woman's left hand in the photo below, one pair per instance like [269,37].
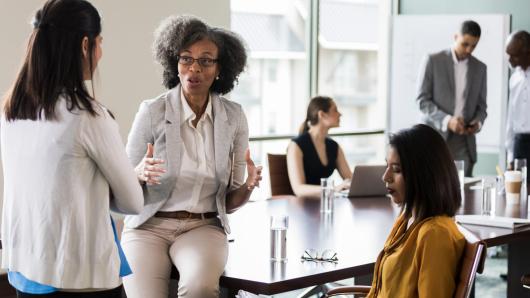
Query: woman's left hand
[254,173]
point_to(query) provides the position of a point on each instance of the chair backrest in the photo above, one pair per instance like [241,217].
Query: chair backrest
[280,184]
[472,261]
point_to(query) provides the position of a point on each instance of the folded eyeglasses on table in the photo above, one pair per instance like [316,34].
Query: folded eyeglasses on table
[327,255]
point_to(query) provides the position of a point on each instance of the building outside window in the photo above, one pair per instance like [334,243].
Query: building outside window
[275,89]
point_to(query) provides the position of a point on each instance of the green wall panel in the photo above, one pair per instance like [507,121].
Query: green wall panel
[518,9]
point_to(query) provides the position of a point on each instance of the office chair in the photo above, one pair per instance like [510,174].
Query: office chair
[279,177]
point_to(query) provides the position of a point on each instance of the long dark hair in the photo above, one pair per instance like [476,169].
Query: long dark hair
[316,104]
[431,181]
[53,64]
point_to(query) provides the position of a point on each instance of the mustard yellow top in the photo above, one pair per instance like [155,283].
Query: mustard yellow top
[421,261]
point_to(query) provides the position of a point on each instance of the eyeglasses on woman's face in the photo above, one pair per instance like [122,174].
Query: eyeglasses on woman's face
[204,62]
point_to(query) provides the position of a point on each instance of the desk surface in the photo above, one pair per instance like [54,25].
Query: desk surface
[356,230]
[491,235]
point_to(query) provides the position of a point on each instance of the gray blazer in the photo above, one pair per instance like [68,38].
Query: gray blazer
[436,94]
[158,122]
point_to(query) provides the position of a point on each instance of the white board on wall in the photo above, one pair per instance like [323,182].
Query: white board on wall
[415,36]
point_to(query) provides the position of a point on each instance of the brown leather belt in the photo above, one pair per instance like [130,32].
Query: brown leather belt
[185,215]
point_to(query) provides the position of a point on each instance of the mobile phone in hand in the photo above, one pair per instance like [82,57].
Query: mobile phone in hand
[471,124]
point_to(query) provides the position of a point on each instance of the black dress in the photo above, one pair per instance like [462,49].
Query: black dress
[313,167]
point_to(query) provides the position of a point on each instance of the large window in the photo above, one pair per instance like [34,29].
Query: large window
[275,88]
[348,42]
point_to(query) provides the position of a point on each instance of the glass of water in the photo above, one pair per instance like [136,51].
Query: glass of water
[460,166]
[327,195]
[278,227]
[519,164]
[489,195]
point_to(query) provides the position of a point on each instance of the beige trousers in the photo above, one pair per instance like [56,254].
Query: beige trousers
[197,247]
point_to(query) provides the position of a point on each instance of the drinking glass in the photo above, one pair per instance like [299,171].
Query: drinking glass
[512,183]
[489,195]
[460,166]
[278,227]
[327,195]
[519,164]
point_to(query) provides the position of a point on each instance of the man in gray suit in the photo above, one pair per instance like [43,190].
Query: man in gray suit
[452,94]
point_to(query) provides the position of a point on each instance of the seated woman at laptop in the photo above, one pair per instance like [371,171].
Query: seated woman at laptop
[313,155]
[421,255]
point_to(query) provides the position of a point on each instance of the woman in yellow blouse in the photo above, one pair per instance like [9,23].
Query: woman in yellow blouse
[423,250]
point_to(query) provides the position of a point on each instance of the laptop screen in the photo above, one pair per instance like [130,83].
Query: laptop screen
[367,181]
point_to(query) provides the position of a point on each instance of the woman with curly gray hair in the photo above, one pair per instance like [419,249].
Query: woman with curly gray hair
[194,167]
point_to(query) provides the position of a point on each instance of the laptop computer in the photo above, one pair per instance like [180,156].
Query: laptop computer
[367,181]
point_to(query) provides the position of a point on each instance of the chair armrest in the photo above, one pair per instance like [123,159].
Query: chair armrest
[348,290]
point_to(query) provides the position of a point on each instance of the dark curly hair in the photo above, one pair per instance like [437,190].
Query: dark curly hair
[179,32]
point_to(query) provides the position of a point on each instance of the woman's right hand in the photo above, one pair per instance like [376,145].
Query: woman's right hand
[344,185]
[149,169]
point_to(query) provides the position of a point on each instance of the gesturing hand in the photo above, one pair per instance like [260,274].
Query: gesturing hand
[254,173]
[149,169]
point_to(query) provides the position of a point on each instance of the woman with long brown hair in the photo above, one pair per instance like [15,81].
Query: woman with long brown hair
[313,155]
[422,252]
[64,165]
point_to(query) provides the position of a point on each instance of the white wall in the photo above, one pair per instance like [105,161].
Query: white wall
[411,43]
[127,72]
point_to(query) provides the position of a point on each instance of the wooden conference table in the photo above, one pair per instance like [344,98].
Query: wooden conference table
[356,230]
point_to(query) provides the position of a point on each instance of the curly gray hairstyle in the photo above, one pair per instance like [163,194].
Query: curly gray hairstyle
[177,33]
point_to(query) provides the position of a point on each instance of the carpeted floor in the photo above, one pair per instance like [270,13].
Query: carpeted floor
[489,284]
